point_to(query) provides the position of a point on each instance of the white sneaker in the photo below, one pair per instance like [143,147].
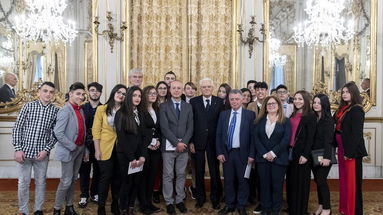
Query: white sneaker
[83,203]
[94,198]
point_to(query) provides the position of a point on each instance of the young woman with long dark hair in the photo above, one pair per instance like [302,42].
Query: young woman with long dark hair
[104,137]
[303,122]
[152,138]
[349,120]
[131,152]
[323,139]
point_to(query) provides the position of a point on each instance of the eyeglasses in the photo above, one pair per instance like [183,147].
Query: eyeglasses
[281,92]
[120,93]
[162,88]
[271,104]
[152,94]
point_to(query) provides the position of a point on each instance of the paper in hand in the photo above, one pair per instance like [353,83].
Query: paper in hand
[134,170]
[247,171]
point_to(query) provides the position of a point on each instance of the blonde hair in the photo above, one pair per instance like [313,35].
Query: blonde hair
[263,112]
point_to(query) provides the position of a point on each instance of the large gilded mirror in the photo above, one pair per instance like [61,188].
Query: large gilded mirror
[315,68]
[36,61]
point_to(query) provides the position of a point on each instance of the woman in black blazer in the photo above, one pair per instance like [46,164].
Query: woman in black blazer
[131,151]
[349,120]
[271,138]
[303,123]
[152,132]
[323,140]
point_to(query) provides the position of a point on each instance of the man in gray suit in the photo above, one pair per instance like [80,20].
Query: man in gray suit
[176,121]
[70,134]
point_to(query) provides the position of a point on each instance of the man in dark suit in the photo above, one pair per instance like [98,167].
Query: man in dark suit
[7,91]
[176,122]
[206,110]
[235,151]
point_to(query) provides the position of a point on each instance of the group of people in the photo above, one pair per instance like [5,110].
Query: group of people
[141,141]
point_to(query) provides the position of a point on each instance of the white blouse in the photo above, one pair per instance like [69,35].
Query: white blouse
[269,127]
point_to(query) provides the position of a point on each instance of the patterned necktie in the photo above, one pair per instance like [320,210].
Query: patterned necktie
[230,133]
[207,104]
[178,111]
[135,112]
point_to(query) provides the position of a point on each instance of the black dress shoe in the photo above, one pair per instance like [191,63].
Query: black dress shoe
[154,208]
[38,213]
[56,212]
[181,207]
[114,208]
[216,205]
[69,210]
[170,209]
[242,211]
[101,210]
[226,210]
[146,210]
[156,197]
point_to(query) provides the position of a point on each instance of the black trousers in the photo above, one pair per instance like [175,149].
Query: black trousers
[254,184]
[320,178]
[215,179]
[272,176]
[298,178]
[148,176]
[129,184]
[236,195]
[109,176]
[85,177]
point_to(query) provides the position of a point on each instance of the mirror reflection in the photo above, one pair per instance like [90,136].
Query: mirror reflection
[352,60]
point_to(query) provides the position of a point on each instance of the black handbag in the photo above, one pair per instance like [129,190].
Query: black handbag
[318,156]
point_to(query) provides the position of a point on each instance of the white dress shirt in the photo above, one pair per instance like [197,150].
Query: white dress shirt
[237,131]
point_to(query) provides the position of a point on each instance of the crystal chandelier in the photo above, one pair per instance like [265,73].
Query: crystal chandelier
[275,59]
[44,22]
[324,26]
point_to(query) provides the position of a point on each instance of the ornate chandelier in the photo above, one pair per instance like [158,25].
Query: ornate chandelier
[324,26]
[275,59]
[44,22]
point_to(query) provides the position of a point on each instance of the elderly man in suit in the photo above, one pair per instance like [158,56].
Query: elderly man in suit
[7,91]
[70,134]
[235,151]
[206,110]
[176,122]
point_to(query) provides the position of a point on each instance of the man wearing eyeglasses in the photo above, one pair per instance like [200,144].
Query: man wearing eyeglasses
[283,95]
[95,91]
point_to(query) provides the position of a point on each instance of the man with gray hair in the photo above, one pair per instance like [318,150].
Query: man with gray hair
[235,151]
[7,91]
[135,77]
[206,110]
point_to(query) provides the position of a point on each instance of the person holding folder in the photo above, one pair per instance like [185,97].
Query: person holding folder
[176,122]
[131,151]
[235,151]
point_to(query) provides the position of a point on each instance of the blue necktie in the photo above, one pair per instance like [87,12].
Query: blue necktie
[178,111]
[284,107]
[230,133]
